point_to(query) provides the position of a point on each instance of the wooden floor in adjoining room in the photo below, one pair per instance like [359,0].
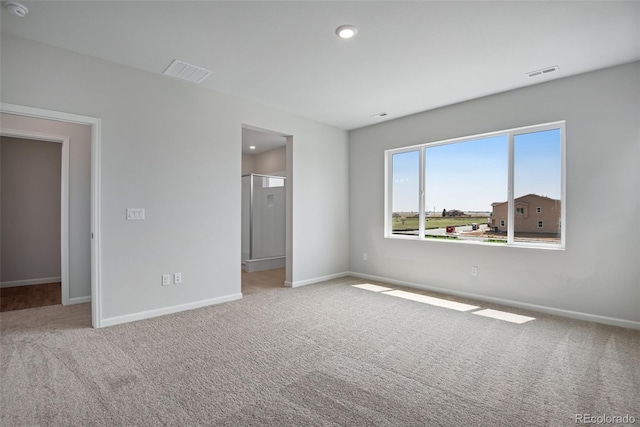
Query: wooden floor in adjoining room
[262,281]
[32,296]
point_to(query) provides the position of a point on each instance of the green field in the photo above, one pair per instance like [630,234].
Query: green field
[436,222]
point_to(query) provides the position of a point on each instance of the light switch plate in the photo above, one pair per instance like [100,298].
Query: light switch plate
[177,278]
[135,213]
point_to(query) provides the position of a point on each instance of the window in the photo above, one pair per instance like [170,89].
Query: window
[456,190]
[268,181]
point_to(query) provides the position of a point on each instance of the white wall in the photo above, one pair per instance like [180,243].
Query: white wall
[598,273]
[30,216]
[174,148]
[79,193]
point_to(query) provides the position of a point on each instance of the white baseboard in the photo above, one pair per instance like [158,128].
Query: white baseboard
[510,303]
[253,265]
[117,320]
[30,282]
[316,279]
[79,300]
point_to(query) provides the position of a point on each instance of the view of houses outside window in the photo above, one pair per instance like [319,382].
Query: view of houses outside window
[537,178]
[466,186]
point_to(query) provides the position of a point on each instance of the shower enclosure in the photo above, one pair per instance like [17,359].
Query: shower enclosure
[263,222]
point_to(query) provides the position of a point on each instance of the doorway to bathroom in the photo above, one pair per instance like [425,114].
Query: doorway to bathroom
[264,210]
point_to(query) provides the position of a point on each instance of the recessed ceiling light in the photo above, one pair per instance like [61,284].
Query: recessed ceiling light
[252,147]
[16,8]
[346,31]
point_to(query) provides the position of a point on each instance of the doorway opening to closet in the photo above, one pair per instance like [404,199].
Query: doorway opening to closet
[31,176]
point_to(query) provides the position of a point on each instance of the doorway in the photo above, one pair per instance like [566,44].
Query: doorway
[265,210]
[31,259]
[19,121]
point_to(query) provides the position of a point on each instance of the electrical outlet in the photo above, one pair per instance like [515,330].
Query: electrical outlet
[364,256]
[166,279]
[474,271]
[177,278]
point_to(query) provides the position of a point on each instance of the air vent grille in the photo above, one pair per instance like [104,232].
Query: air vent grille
[543,71]
[184,71]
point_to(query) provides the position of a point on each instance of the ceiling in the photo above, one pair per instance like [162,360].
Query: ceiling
[407,56]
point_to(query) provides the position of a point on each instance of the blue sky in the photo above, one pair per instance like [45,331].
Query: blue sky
[537,164]
[471,175]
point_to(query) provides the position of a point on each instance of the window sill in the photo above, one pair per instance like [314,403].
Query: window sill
[477,242]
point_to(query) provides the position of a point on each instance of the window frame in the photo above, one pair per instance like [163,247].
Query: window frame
[511,211]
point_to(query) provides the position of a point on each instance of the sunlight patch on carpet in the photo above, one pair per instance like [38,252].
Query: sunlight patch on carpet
[439,302]
[370,287]
[503,315]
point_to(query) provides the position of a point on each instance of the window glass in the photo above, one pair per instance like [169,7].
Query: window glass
[462,181]
[406,192]
[537,182]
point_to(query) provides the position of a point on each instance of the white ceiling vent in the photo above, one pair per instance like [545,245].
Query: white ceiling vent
[182,70]
[543,71]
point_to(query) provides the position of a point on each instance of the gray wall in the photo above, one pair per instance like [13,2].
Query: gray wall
[248,164]
[267,163]
[30,192]
[598,273]
[174,148]
[271,162]
[79,193]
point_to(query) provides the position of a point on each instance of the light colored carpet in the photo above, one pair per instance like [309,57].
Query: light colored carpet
[321,355]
